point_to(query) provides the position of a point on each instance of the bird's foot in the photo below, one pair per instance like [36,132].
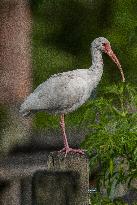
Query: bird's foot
[68,149]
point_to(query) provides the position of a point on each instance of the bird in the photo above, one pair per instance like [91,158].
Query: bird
[64,92]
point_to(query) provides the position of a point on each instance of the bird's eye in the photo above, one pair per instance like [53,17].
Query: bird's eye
[104,44]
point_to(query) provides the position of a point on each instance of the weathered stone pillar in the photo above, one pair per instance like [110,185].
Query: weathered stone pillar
[66,182]
[26,191]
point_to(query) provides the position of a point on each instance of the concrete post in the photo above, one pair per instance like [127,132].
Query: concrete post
[26,191]
[66,181]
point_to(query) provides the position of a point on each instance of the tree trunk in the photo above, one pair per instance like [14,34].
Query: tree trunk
[15,66]
[15,72]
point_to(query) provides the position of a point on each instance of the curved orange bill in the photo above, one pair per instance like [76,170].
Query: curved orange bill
[112,55]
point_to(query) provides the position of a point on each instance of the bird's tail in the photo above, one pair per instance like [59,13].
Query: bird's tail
[26,114]
[24,110]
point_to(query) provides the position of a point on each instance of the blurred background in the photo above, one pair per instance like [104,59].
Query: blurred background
[39,38]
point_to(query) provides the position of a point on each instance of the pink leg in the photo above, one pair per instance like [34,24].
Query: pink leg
[66,148]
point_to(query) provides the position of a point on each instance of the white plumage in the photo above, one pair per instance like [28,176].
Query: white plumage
[65,92]
[62,93]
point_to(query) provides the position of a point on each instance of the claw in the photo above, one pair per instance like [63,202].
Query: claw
[68,149]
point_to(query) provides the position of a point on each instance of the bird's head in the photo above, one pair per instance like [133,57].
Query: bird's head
[103,45]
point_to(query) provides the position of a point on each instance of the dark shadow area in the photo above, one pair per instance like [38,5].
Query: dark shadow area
[54,187]
[131,196]
[3,186]
[50,140]
[71,25]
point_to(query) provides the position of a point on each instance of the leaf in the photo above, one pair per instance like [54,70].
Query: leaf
[111,167]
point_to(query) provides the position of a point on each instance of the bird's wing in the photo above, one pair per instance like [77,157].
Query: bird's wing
[58,93]
[62,93]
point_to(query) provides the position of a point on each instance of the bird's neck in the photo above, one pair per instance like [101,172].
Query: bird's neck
[96,70]
[97,60]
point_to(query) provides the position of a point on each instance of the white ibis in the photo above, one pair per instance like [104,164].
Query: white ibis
[65,92]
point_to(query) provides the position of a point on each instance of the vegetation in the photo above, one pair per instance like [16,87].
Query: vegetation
[112,144]
[97,199]
[63,31]
[61,37]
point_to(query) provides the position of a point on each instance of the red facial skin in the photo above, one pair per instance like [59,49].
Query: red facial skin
[107,49]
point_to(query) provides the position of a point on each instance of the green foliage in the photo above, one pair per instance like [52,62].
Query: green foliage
[113,137]
[63,31]
[98,199]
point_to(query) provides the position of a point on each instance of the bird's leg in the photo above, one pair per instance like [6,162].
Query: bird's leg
[66,148]
[62,124]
